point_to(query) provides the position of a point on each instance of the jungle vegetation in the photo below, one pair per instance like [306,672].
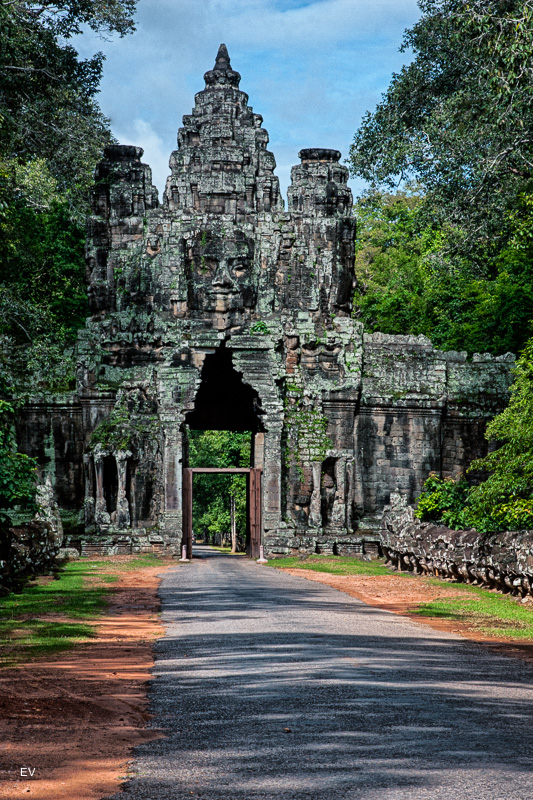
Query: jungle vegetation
[52,133]
[445,243]
[212,495]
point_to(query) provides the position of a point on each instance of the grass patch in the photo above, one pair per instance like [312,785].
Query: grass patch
[336,565]
[26,626]
[35,637]
[492,614]
[136,562]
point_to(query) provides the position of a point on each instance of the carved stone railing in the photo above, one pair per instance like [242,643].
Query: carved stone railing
[502,561]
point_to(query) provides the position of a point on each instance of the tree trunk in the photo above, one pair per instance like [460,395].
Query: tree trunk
[233,525]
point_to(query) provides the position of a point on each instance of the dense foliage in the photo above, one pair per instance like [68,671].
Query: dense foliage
[17,471]
[406,284]
[212,493]
[453,259]
[51,135]
[459,117]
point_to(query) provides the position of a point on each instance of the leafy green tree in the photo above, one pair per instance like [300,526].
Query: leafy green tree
[47,93]
[445,500]
[390,269]
[507,494]
[17,471]
[52,133]
[407,284]
[459,118]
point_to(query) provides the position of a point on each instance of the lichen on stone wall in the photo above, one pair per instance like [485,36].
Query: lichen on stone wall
[218,308]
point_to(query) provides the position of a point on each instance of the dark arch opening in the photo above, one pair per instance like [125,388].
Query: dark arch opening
[110,484]
[223,401]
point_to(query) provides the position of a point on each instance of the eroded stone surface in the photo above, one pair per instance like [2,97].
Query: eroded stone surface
[501,561]
[216,308]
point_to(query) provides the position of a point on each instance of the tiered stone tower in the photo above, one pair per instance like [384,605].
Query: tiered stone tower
[219,310]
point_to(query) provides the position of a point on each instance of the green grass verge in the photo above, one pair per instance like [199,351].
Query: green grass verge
[492,614]
[336,565]
[26,632]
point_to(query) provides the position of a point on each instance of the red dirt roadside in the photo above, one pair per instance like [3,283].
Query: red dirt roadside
[71,721]
[74,719]
[403,594]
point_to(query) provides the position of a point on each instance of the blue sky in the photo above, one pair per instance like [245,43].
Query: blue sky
[311,69]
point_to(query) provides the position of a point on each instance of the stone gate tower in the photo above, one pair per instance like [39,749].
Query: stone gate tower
[218,309]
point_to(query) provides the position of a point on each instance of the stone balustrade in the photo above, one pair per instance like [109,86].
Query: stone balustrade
[502,561]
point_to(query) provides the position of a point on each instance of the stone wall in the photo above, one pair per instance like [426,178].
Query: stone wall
[219,309]
[502,561]
[51,428]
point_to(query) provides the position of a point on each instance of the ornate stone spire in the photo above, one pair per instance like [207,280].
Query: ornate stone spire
[222,165]
[222,71]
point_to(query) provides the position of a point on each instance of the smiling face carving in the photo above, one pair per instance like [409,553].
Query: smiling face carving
[220,272]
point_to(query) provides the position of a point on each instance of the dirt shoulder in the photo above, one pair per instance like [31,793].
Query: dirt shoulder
[70,722]
[403,594]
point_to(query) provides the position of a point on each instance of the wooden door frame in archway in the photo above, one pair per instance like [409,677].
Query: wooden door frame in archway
[254,503]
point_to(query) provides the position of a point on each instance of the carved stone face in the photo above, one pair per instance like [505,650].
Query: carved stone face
[220,272]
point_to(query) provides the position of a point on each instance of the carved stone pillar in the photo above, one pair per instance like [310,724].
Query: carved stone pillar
[89,499]
[350,463]
[123,509]
[357,492]
[272,467]
[315,505]
[338,512]
[101,516]
[171,517]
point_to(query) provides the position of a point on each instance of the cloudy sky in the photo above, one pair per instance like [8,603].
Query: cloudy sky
[310,67]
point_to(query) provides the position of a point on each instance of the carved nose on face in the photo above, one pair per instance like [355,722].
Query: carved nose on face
[222,278]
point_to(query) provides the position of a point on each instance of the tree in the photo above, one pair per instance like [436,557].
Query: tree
[17,471]
[459,119]
[407,284]
[52,134]
[507,494]
[47,92]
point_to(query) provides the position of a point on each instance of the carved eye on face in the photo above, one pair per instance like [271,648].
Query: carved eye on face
[239,266]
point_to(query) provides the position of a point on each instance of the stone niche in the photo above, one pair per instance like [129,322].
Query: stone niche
[218,309]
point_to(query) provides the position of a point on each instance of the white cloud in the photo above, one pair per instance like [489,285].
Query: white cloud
[311,70]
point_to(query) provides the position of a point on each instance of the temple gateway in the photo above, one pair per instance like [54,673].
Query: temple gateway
[219,309]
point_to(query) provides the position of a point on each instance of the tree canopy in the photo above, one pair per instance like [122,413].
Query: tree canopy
[52,133]
[459,117]
[446,229]
[406,283]
[47,92]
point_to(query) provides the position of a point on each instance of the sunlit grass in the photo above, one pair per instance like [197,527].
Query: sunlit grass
[336,565]
[492,614]
[27,624]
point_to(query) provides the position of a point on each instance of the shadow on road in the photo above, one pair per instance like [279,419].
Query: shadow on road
[276,687]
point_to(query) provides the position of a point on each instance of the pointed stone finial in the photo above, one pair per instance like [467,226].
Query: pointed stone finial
[222,73]
[222,61]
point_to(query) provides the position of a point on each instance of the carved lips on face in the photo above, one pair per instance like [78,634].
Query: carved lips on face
[219,272]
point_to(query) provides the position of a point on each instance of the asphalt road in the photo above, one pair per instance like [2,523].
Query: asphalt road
[271,687]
